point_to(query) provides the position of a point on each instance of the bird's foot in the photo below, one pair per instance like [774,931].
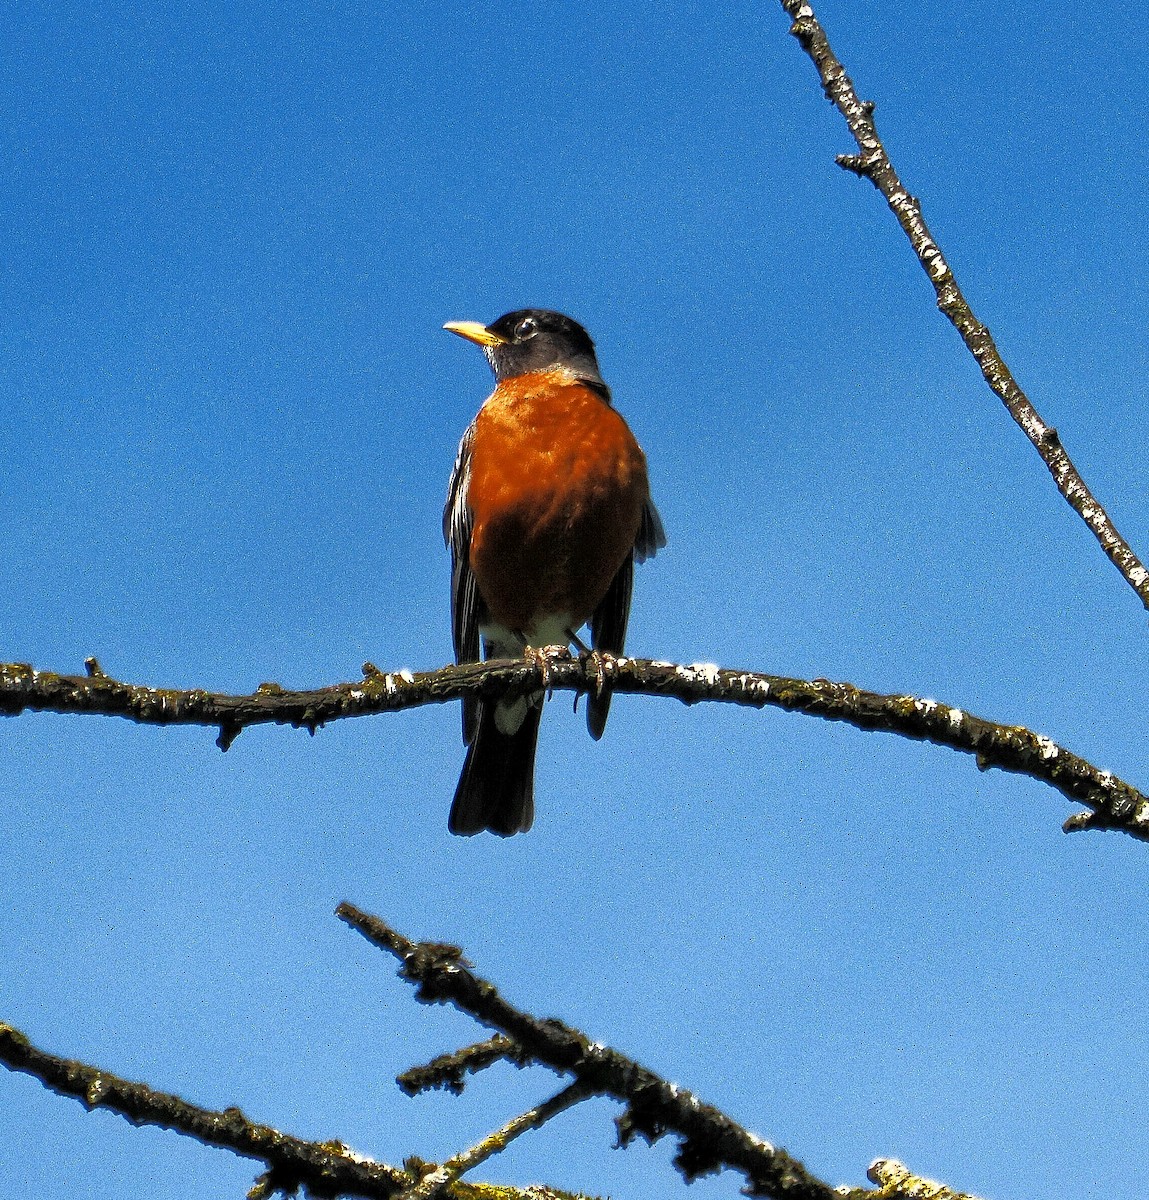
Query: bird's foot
[604,665]
[603,661]
[544,657]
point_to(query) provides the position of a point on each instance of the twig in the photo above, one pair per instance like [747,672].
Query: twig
[1013,748]
[874,164]
[325,1169]
[448,1070]
[710,1140]
[434,1182]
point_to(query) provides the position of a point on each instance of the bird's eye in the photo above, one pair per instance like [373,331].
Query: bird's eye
[526,328]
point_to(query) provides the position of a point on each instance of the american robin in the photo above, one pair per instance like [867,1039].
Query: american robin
[547,511]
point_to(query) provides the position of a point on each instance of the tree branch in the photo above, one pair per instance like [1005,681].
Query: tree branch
[436,1181]
[710,1142]
[873,163]
[325,1169]
[449,1071]
[1113,803]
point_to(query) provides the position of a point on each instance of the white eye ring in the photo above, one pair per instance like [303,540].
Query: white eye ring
[526,328]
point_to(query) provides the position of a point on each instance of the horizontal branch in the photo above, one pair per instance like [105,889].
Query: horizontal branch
[325,1169]
[654,1107]
[873,163]
[1113,803]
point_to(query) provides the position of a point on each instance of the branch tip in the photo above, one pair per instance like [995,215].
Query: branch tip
[228,732]
[325,1169]
[857,164]
[448,1071]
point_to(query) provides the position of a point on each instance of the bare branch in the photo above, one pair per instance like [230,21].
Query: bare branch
[434,1182]
[710,1140]
[874,164]
[448,1070]
[1013,748]
[326,1169]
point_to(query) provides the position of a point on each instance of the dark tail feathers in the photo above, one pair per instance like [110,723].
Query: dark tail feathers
[497,787]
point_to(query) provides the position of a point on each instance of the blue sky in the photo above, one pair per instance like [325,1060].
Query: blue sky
[231,235]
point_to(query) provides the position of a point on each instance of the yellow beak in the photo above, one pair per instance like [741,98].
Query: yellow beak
[475,332]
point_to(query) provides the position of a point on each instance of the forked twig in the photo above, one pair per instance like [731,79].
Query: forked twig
[710,1141]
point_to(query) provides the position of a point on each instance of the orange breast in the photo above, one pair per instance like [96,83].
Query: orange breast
[556,492]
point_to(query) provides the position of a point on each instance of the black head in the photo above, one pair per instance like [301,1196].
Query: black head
[532,339]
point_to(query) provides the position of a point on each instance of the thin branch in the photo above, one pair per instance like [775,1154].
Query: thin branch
[1013,748]
[710,1140]
[434,1182]
[325,1169]
[874,164]
[448,1071]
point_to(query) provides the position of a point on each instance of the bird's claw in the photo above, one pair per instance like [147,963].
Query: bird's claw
[544,657]
[604,663]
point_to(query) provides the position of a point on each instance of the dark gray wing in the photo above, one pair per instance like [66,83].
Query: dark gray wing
[651,536]
[464,595]
[608,624]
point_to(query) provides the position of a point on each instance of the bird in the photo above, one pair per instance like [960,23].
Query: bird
[547,511]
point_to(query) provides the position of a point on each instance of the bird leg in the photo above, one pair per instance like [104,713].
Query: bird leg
[543,657]
[583,648]
[598,657]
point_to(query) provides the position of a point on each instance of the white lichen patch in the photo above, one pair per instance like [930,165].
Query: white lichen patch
[406,675]
[1138,576]
[708,672]
[955,716]
[354,1156]
[754,683]
[1047,747]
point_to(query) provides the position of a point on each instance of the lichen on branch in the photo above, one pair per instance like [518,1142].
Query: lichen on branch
[1112,803]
